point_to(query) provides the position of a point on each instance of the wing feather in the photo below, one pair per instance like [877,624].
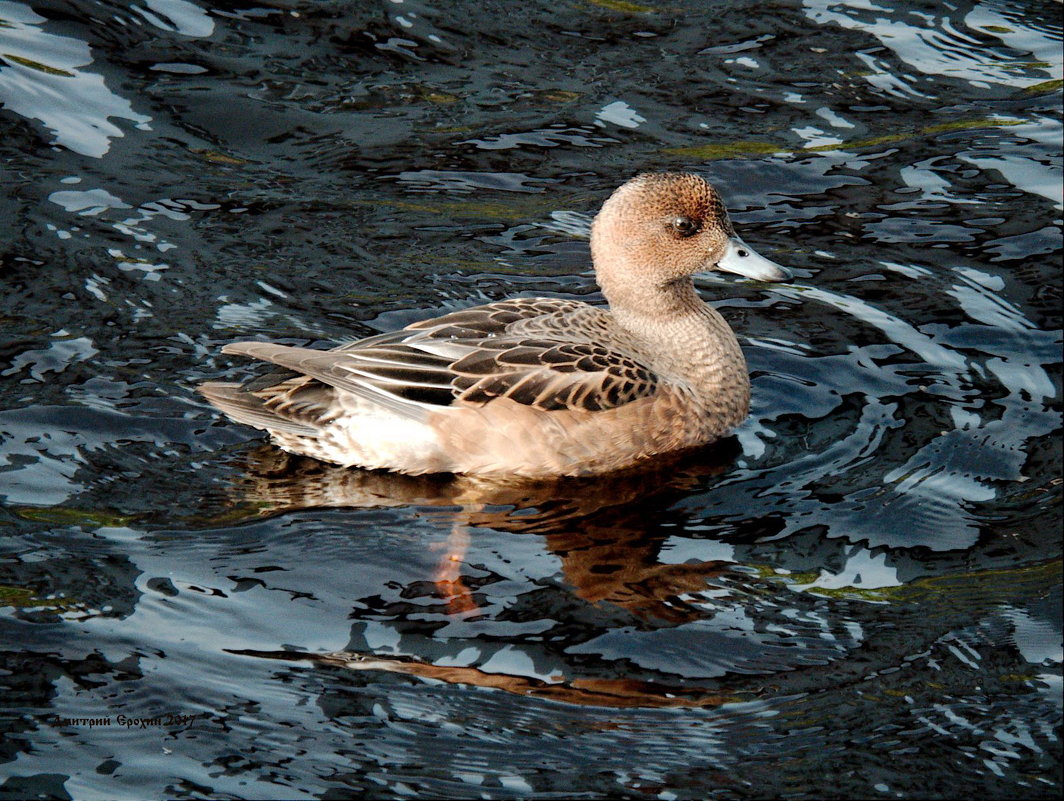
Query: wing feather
[545,353]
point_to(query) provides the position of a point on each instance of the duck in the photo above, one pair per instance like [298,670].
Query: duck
[534,387]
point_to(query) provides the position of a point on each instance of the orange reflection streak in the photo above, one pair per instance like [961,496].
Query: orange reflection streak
[615,693]
[458,598]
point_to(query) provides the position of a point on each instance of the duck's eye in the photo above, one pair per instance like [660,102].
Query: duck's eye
[684,226]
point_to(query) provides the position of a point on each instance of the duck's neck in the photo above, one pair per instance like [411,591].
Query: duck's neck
[689,338]
[663,303]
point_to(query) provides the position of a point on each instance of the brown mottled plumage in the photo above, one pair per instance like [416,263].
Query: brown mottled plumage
[534,386]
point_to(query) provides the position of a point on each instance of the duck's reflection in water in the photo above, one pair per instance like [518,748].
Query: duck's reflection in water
[619,693]
[603,530]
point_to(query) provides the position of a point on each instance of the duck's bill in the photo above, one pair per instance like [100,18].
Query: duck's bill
[742,259]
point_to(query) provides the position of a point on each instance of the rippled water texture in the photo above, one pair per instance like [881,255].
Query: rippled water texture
[857,596]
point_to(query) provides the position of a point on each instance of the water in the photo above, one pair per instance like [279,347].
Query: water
[858,596]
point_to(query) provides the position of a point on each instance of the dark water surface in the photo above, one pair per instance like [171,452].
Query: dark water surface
[858,596]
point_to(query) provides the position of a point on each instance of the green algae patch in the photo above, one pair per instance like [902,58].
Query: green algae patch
[243,512]
[726,150]
[36,65]
[440,98]
[623,6]
[215,157]
[560,95]
[930,130]
[722,150]
[67,516]
[857,144]
[968,125]
[1017,678]
[990,586]
[879,595]
[1044,87]
[22,598]
[996,585]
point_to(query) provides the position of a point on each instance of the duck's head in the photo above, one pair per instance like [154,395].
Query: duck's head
[668,226]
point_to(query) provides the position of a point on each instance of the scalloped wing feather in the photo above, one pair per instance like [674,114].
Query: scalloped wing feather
[551,376]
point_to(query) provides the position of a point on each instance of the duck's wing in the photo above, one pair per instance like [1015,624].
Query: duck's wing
[501,317]
[552,375]
[520,350]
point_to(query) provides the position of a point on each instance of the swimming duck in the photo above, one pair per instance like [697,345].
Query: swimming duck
[534,387]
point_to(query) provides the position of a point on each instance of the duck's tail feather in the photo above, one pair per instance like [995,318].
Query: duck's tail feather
[247,408]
